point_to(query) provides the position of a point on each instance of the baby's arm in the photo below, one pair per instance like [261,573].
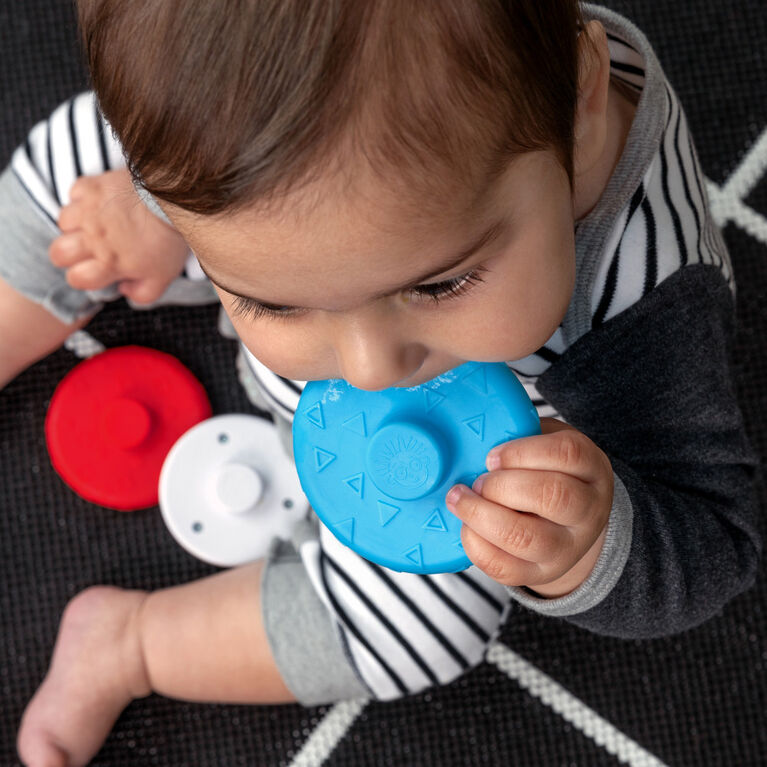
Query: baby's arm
[653,388]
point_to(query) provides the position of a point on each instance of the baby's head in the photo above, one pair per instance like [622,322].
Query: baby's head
[395,183]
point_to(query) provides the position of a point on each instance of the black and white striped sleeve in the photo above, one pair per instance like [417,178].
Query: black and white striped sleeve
[74,141]
[666,225]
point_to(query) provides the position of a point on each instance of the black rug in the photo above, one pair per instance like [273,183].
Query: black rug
[551,694]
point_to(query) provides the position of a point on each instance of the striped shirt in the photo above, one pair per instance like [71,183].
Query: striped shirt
[74,141]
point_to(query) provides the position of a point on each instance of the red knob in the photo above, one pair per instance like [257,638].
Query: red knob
[126,423]
[114,417]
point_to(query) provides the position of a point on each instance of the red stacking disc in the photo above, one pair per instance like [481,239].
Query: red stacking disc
[113,419]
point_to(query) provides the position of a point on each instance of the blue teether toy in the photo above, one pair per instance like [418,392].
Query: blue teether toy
[376,466]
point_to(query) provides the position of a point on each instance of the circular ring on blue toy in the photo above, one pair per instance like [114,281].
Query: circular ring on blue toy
[376,466]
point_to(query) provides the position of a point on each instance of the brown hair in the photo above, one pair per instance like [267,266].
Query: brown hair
[221,104]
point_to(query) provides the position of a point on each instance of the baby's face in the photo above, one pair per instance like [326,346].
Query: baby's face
[354,268]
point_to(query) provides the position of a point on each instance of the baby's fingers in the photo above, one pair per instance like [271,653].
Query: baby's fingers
[90,275]
[501,566]
[524,536]
[558,497]
[560,448]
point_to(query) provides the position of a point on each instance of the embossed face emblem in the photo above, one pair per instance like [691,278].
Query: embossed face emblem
[404,462]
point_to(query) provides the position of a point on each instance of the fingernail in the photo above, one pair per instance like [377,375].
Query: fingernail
[454,494]
[478,482]
[493,460]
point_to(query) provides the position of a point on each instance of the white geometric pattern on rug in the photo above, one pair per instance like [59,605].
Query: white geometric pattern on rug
[328,733]
[727,200]
[83,344]
[572,710]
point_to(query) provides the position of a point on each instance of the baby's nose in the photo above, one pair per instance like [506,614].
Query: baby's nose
[373,355]
[376,369]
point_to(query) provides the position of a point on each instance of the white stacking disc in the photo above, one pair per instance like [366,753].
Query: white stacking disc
[227,488]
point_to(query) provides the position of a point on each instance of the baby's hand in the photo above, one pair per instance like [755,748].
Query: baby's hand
[110,236]
[541,515]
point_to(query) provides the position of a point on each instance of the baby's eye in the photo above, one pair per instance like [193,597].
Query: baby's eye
[451,288]
[437,291]
[247,307]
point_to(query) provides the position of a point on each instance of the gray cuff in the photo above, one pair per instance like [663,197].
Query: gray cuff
[606,572]
[305,643]
[26,232]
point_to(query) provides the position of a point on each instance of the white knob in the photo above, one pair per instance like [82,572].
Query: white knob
[238,488]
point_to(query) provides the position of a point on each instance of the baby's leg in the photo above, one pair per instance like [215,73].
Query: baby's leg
[201,641]
[28,332]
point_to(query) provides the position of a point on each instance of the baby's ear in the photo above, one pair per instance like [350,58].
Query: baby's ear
[590,129]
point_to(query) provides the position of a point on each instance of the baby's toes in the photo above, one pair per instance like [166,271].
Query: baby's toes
[67,249]
[85,185]
[71,217]
[142,291]
[90,274]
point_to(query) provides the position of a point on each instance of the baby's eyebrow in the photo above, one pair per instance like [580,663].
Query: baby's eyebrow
[489,235]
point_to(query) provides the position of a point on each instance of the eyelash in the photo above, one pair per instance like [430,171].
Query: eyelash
[438,291]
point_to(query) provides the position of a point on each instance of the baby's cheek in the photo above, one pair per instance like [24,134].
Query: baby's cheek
[511,327]
[288,352]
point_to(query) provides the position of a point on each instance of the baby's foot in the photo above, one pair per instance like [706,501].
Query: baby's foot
[96,670]
[110,236]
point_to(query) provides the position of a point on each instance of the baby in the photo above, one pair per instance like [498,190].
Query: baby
[380,191]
